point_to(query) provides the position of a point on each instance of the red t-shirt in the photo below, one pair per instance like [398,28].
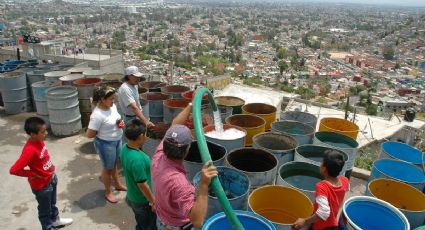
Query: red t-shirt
[35,156]
[335,197]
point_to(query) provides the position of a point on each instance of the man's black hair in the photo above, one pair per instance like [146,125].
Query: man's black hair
[33,125]
[333,161]
[174,152]
[134,128]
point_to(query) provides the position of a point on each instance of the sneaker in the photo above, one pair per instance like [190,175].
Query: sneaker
[62,222]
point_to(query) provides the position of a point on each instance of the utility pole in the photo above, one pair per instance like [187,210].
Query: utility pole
[346,107]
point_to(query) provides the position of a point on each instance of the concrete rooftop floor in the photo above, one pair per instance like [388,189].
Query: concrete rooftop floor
[80,192]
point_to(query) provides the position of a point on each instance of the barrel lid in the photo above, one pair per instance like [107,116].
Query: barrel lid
[71,77]
[56,73]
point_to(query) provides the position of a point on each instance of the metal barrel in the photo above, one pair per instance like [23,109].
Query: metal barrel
[249,220]
[94,73]
[400,171]
[281,145]
[193,163]
[188,95]
[172,107]
[152,86]
[85,89]
[64,114]
[235,185]
[78,69]
[145,107]
[174,91]
[265,111]
[15,94]
[302,176]
[230,144]
[340,142]
[39,92]
[33,76]
[69,79]
[305,118]
[364,212]
[53,76]
[406,198]
[259,165]
[339,125]
[313,154]
[253,125]
[156,105]
[402,152]
[235,102]
[301,132]
[280,205]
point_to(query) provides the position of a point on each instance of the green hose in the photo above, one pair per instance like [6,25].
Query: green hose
[205,155]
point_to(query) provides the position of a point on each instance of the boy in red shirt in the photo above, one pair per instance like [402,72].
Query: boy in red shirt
[34,163]
[330,194]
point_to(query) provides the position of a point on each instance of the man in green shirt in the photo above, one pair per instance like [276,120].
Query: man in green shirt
[137,171]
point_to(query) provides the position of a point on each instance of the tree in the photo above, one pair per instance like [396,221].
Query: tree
[388,52]
[372,109]
[283,66]
[281,53]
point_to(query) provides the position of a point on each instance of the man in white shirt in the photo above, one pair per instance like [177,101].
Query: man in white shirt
[128,96]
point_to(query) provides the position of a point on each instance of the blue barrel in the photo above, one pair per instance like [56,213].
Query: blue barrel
[236,186]
[402,152]
[400,171]
[249,220]
[363,212]
[6,68]
[16,63]
[303,133]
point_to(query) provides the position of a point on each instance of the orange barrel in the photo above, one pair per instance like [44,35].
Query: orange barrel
[235,102]
[253,125]
[410,201]
[281,205]
[339,125]
[174,91]
[265,111]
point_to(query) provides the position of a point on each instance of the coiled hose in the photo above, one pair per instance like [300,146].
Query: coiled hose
[205,154]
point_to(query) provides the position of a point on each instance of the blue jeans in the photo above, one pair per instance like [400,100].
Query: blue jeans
[46,198]
[145,218]
[108,152]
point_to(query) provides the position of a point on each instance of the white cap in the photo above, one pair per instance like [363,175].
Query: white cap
[132,70]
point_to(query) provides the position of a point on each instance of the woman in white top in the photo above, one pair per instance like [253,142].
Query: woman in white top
[106,126]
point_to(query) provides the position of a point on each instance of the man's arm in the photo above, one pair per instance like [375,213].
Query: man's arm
[18,169]
[139,114]
[144,187]
[182,117]
[199,210]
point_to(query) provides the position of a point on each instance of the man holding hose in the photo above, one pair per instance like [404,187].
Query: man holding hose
[177,206]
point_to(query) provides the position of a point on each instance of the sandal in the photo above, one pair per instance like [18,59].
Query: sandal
[112,200]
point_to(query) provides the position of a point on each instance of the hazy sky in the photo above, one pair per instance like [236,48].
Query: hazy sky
[420,3]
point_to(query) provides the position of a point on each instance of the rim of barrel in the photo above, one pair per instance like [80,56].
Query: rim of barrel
[56,73]
[374,200]
[280,187]
[258,118]
[194,142]
[87,82]
[309,127]
[247,214]
[185,95]
[152,84]
[182,101]
[353,142]
[231,169]
[254,105]
[11,74]
[217,100]
[348,124]
[40,84]
[70,90]
[210,128]
[402,184]
[298,163]
[345,155]
[300,112]
[266,134]
[276,161]
[400,162]
[71,77]
[158,96]
[411,148]
[174,89]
